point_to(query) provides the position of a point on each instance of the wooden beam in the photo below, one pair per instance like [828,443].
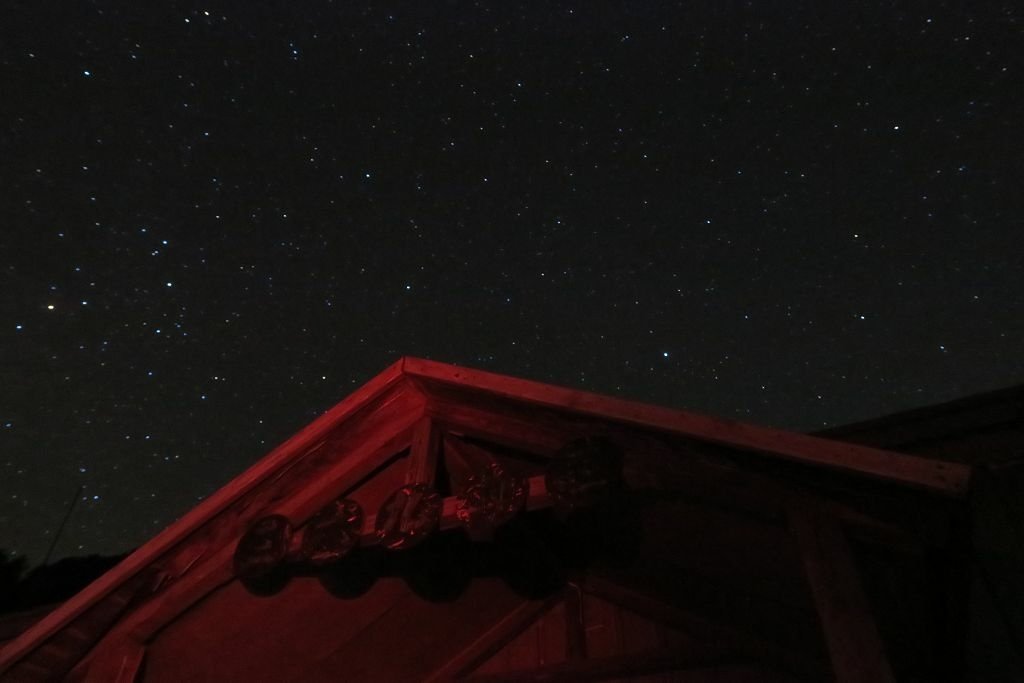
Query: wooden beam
[426,439]
[854,644]
[945,478]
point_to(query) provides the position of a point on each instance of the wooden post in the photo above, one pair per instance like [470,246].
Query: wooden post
[424,452]
[854,645]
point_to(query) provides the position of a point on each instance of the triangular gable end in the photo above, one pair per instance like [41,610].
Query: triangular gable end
[394,430]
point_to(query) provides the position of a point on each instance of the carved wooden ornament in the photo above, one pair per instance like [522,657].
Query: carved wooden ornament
[408,516]
[491,498]
[332,533]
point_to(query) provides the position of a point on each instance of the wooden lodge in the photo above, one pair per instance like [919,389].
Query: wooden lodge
[443,523]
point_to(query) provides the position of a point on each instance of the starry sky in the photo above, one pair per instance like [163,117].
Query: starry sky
[217,220]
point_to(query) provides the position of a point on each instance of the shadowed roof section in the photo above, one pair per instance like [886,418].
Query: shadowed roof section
[428,382]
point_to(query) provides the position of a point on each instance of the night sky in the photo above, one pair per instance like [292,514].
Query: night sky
[216,221]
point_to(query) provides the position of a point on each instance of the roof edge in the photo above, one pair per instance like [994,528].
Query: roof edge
[936,476]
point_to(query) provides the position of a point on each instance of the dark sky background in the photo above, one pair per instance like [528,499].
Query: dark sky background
[218,220]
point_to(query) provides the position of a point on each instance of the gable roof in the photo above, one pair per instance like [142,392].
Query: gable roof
[351,439]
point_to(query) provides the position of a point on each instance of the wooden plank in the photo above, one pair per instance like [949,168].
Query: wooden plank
[854,644]
[190,521]
[426,439]
[939,477]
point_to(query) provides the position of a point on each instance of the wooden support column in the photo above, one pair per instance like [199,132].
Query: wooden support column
[426,441]
[854,645]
